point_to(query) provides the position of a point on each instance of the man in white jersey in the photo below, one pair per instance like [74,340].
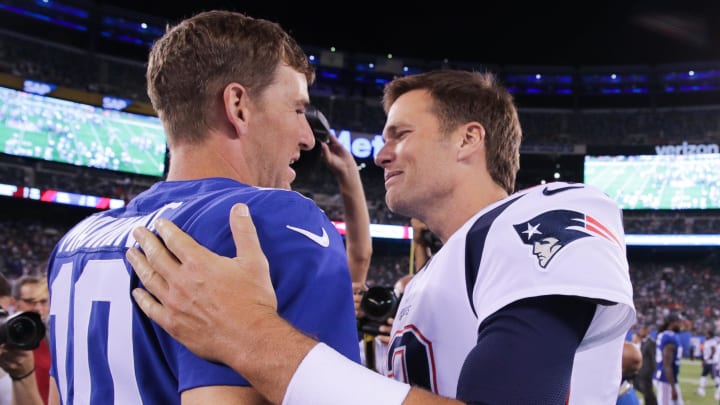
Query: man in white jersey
[709,348]
[540,268]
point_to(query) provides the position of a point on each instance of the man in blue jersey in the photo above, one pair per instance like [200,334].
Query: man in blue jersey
[540,268]
[231,92]
[669,354]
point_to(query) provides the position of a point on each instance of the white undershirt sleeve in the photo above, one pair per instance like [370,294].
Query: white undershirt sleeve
[325,377]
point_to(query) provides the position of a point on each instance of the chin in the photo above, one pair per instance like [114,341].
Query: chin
[395,206]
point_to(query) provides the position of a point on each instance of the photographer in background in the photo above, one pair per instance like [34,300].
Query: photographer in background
[18,383]
[376,312]
[358,242]
[376,338]
[31,294]
[7,302]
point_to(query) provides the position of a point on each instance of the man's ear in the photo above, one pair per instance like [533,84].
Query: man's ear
[235,102]
[473,139]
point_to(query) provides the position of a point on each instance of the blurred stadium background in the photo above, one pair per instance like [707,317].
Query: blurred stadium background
[77,132]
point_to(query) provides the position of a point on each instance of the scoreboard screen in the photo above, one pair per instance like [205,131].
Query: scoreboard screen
[80,134]
[661,182]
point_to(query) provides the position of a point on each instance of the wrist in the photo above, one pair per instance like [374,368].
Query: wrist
[326,377]
[270,334]
[360,287]
[22,376]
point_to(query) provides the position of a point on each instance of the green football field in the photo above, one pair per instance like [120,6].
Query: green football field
[79,134]
[657,181]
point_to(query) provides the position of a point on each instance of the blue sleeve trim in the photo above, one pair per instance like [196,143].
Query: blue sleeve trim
[525,352]
[475,244]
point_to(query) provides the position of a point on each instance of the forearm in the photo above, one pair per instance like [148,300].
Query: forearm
[271,352]
[291,377]
[668,360]
[357,225]
[670,375]
[25,391]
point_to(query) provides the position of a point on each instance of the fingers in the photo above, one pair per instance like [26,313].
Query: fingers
[243,230]
[249,254]
[151,307]
[180,244]
[142,265]
[386,328]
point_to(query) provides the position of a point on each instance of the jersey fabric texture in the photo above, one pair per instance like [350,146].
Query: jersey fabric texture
[104,350]
[556,239]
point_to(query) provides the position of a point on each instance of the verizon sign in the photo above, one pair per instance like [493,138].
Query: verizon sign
[687,149]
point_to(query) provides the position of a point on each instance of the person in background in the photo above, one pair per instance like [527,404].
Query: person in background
[18,384]
[644,379]
[631,362]
[544,267]
[7,303]
[31,294]
[374,347]
[421,248]
[231,92]
[7,300]
[668,356]
[358,241]
[709,355]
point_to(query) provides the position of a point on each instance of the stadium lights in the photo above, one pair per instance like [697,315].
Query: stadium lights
[404,232]
[672,240]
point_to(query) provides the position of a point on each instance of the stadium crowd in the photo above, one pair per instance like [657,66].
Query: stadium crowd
[354,109]
[660,286]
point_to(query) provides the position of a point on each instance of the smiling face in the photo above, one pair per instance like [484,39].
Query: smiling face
[278,130]
[416,156]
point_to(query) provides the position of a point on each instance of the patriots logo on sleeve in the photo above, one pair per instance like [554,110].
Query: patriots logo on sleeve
[550,231]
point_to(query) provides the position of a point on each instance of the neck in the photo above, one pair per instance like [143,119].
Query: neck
[211,158]
[450,214]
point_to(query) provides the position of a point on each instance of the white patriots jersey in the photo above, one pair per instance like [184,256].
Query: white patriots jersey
[554,239]
[710,349]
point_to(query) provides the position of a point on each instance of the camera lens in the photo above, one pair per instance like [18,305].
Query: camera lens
[21,330]
[379,303]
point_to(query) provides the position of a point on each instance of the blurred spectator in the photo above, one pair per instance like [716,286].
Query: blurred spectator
[31,294]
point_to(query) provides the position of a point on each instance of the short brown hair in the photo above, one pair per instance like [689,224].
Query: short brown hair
[460,97]
[190,65]
[22,281]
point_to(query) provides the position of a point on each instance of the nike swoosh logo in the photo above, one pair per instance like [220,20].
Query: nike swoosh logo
[322,240]
[548,191]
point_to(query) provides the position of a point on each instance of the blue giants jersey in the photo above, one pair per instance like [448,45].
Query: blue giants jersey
[104,350]
[665,338]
